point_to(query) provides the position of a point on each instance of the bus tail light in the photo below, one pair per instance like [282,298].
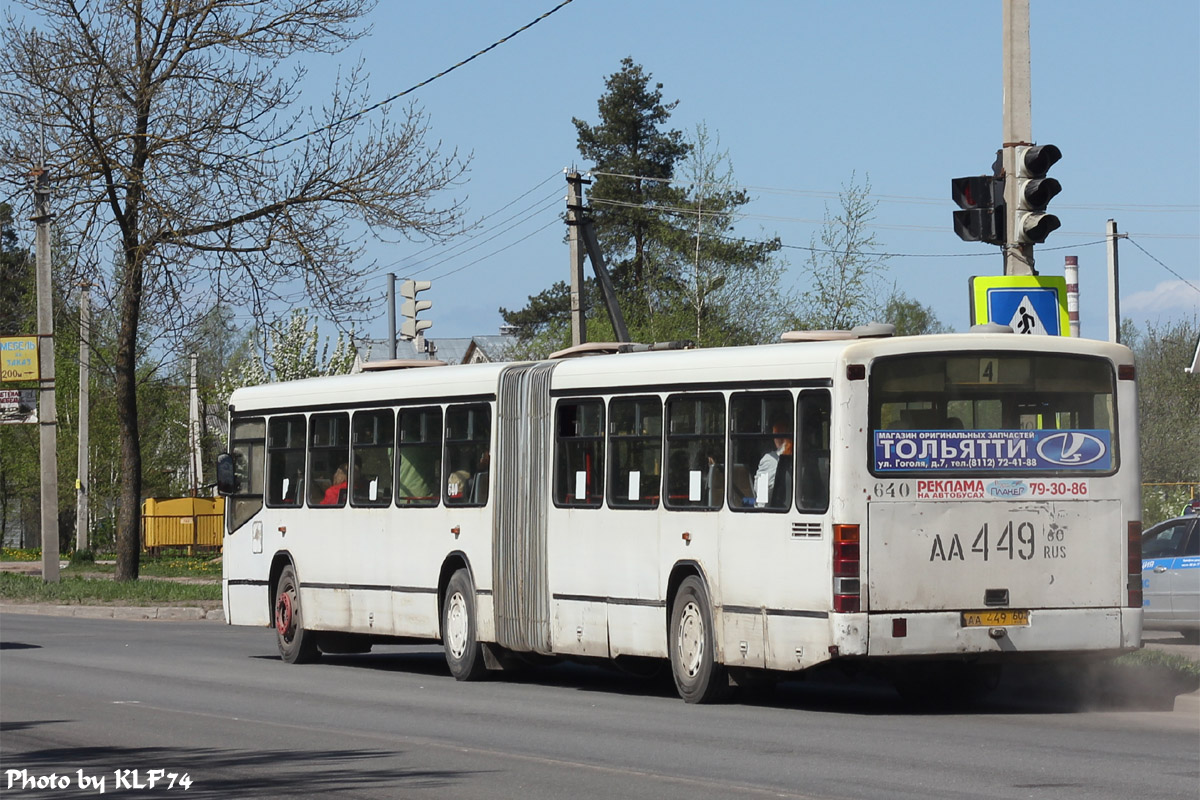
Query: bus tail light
[846,591]
[1135,564]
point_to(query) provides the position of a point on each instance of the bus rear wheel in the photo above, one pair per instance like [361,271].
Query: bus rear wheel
[698,676]
[464,653]
[296,645]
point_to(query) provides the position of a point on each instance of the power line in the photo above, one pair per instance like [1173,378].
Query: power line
[410,89]
[899,198]
[495,252]
[544,207]
[1161,264]
[475,225]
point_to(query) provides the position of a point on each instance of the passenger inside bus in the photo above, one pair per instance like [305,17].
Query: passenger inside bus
[774,474]
[335,495]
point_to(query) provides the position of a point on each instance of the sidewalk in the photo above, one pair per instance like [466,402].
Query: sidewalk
[177,612]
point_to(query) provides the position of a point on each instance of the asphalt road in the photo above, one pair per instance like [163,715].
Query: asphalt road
[100,698]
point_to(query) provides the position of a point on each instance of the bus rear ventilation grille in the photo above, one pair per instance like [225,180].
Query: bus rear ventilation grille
[806,530]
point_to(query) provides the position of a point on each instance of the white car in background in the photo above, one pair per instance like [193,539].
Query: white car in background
[1171,577]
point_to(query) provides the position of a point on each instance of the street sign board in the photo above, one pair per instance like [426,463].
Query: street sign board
[18,358]
[1030,304]
[18,405]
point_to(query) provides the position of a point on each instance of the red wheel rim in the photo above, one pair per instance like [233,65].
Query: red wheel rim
[283,613]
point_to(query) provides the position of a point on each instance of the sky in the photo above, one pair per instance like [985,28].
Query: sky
[807,97]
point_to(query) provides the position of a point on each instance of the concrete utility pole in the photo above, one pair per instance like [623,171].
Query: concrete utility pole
[197,469]
[83,479]
[392,315]
[1114,283]
[1018,128]
[47,414]
[574,219]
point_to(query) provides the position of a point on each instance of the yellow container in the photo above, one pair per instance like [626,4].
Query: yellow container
[189,522]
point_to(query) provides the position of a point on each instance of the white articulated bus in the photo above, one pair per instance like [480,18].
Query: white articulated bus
[935,503]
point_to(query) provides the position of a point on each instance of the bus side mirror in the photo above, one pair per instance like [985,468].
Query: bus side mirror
[227,482]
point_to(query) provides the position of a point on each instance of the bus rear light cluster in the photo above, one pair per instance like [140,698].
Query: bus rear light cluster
[1135,564]
[846,587]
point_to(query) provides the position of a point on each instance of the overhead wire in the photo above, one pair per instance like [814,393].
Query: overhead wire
[898,198]
[1164,266]
[409,90]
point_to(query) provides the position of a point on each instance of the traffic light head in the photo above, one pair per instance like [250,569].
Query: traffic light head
[411,326]
[1035,191]
[409,288]
[981,198]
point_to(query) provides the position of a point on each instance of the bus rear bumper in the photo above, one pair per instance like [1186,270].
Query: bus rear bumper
[1063,631]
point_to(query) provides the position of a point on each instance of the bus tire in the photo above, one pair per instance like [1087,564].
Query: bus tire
[296,645]
[698,676]
[464,653]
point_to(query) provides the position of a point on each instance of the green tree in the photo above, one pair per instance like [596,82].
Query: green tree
[637,158]
[663,208]
[1168,411]
[910,317]
[162,119]
[18,317]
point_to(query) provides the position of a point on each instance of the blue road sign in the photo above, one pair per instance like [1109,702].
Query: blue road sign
[1028,309]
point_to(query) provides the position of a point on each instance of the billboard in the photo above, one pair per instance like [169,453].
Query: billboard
[18,358]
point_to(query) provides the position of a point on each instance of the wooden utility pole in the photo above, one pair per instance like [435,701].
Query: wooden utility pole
[1018,128]
[574,219]
[83,479]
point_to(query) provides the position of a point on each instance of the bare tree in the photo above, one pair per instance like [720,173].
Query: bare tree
[177,139]
[843,271]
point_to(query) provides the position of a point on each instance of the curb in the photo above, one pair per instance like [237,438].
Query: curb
[172,613]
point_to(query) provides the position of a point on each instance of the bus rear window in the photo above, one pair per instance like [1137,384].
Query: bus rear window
[1015,413]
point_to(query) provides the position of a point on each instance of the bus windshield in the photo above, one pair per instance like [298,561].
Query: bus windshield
[993,412]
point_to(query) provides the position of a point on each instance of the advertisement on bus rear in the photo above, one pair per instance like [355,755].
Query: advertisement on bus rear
[993,450]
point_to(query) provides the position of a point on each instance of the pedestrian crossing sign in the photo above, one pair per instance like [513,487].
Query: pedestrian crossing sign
[1029,304]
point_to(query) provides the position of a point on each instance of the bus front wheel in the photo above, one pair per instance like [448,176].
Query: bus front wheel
[698,676]
[296,645]
[464,654]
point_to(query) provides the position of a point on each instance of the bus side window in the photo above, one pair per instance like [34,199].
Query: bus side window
[247,445]
[371,466]
[815,418]
[695,451]
[328,452]
[467,455]
[579,453]
[761,445]
[285,460]
[634,452]
[419,457]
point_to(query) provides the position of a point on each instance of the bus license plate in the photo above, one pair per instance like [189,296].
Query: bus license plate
[999,618]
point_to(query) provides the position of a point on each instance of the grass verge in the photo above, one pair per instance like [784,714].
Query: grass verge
[73,590]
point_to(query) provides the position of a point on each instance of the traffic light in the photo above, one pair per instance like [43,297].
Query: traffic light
[1035,191]
[981,198]
[411,326]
